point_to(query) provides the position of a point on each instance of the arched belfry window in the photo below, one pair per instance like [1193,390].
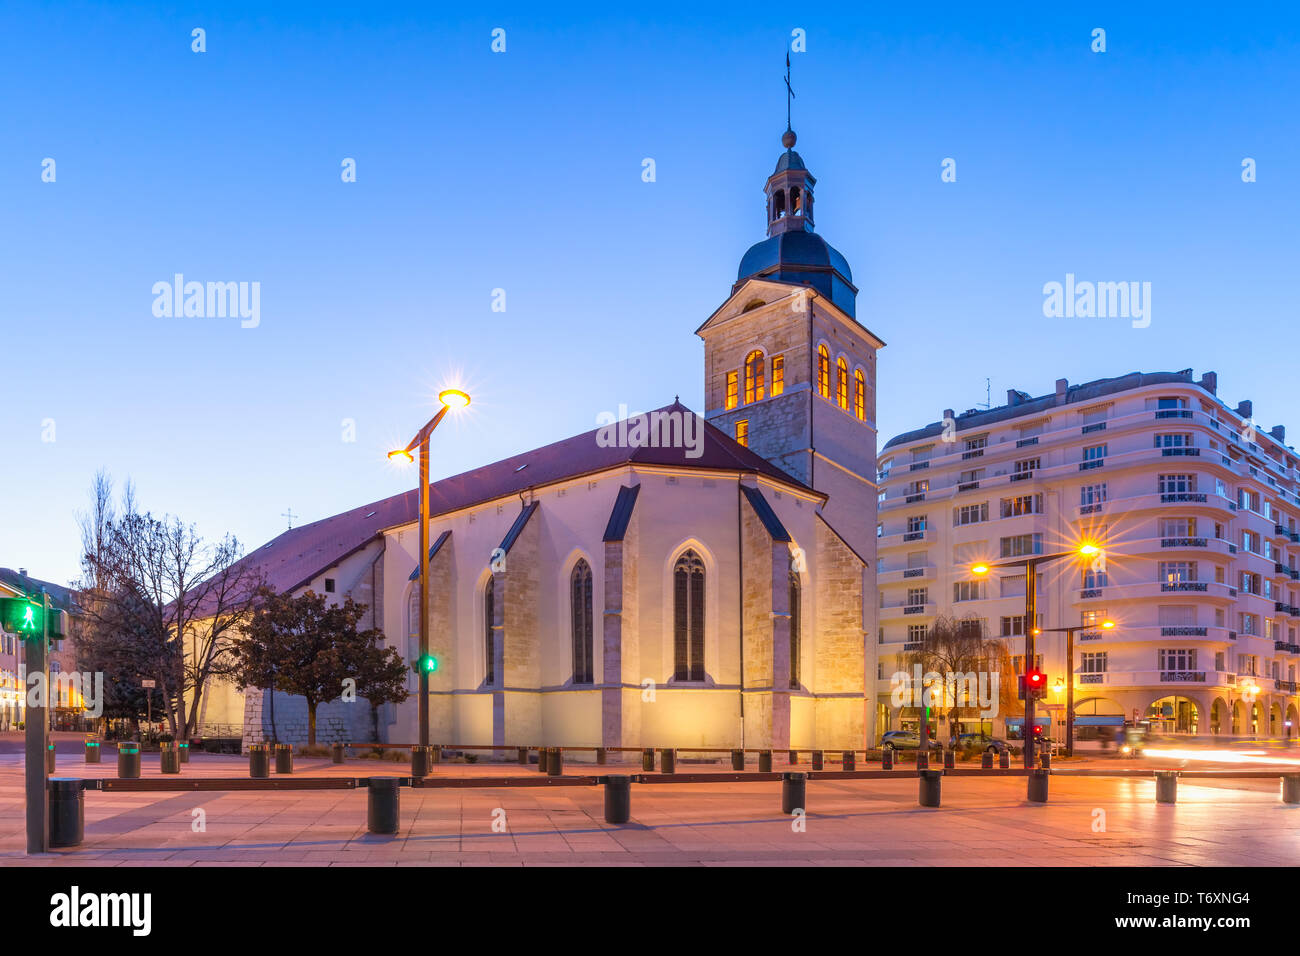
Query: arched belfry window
[688,617]
[823,372]
[860,395]
[754,377]
[489,634]
[796,202]
[842,383]
[796,613]
[778,204]
[584,667]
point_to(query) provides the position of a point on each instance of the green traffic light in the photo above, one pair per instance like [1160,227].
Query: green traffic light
[429,663]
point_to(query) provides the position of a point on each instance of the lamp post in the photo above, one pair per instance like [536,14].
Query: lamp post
[449,398]
[1069,633]
[1030,564]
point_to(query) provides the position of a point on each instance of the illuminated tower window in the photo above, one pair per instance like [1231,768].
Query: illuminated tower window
[778,375]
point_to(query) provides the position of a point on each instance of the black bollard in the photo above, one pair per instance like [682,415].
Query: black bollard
[337,752]
[1045,760]
[1291,788]
[420,761]
[922,760]
[259,761]
[928,788]
[383,805]
[601,757]
[283,758]
[794,791]
[668,761]
[765,761]
[648,759]
[986,760]
[554,762]
[1166,786]
[169,759]
[435,754]
[541,759]
[850,760]
[67,812]
[1038,786]
[183,748]
[618,798]
[818,760]
[887,759]
[738,760]
[128,761]
[523,756]
[792,757]
[92,751]
[1004,760]
[949,760]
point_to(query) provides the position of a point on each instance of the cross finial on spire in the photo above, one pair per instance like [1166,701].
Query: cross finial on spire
[290,515]
[789,91]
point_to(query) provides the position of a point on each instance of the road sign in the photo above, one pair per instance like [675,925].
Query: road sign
[148,682]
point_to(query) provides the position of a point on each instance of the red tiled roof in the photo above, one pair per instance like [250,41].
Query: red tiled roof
[295,557]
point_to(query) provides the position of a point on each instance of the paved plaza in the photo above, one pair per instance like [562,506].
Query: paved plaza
[1095,821]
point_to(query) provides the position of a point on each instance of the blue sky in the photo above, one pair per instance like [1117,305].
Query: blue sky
[522,171]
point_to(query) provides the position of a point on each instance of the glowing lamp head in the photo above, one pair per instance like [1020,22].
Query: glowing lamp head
[1088,550]
[401,456]
[1108,624]
[979,569]
[453,398]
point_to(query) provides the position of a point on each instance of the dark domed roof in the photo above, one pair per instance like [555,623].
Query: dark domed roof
[794,248]
[789,160]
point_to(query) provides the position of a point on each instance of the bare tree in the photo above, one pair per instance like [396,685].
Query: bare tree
[953,649]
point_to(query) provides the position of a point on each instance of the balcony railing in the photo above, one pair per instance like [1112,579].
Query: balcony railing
[1184,542]
[1184,586]
[1180,452]
[1183,497]
[1025,442]
[1183,631]
[1174,413]
[1182,677]
[914,573]
[914,536]
[1096,427]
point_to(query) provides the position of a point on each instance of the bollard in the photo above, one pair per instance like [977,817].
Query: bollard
[618,798]
[1038,786]
[949,760]
[420,761]
[792,757]
[337,752]
[648,759]
[818,759]
[49,759]
[928,787]
[1004,760]
[738,760]
[1291,788]
[765,761]
[794,791]
[541,760]
[668,761]
[259,761]
[128,761]
[986,760]
[887,759]
[283,758]
[183,748]
[169,758]
[601,756]
[92,751]
[922,760]
[850,760]
[1166,786]
[67,812]
[523,756]
[435,754]
[554,762]
[383,805]
[1045,760]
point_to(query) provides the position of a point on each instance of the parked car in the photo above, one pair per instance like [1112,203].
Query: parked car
[983,742]
[905,740]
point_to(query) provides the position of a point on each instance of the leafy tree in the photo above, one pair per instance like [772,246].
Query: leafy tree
[304,646]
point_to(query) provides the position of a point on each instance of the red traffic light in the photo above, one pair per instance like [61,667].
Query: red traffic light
[1038,729]
[1036,678]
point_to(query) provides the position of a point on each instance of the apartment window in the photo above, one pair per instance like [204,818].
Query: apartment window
[918,596]
[329,585]
[915,523]
[1094,456]
[1092,662]
[1098,413]
[1248,500]
[1249,583]
[916,633]
[917,559]
[1092,494]
[1024,468]
[1172,484]
[1172,572]
[1029,431]
[742,432]
[970,514]
[975,446]
[1022,505]
[1219,661]
[1178,440]
[1177,527]
[733,389]
[1250,542]
[1014,626]
[969,476]
[1018,662]
[778,375]
[1020,545]
[1171,403]
[1176,615]
[1177,658]
[1013,585]
[1093,618]
[1248,624]
[1220,488]
[968,591]
[1094,579]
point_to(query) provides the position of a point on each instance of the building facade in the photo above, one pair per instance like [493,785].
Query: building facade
[1197,508]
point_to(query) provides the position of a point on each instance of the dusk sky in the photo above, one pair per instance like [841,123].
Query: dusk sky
[522,171]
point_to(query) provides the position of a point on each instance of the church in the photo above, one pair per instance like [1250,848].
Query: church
[712,589]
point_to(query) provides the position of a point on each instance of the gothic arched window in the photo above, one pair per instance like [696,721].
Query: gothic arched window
[860,395]
[688,617]
[584,667]
[754,377]
[842,383]
[795,625]
[823,372]
[489,634]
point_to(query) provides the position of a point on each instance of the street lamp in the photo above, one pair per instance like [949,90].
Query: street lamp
[449,398]
[1068,687]
[1030,564]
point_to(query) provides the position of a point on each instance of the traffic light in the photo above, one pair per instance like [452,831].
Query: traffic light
[428,664]
[26,618]
[1036,683]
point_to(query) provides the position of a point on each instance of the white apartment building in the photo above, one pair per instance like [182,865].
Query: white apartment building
[1197,510]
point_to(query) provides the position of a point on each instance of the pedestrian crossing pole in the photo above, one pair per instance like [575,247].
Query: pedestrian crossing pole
[37,728]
